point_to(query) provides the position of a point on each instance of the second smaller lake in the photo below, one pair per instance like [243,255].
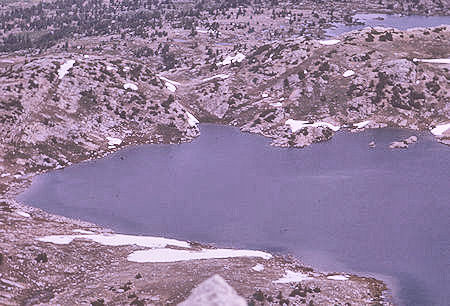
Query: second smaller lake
[394,21]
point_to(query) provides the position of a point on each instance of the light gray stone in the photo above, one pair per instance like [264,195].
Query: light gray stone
[214,292]
[400,70]
[410,140]
[398,145]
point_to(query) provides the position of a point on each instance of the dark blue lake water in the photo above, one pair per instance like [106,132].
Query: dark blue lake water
[339,206]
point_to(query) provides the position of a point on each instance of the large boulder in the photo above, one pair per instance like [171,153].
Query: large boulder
[400,70]
[398,145]
[214,292]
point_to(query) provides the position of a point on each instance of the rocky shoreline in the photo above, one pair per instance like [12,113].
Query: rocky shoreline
[86,271]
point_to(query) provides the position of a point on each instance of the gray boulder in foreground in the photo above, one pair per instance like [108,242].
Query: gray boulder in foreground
[214,292]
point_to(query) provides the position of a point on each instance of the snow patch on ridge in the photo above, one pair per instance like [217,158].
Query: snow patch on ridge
[169,81]
[23,214]
[440,129]
[170,85]
[218,76]
[64,69]
[329,42]
[362,124]
[233,59]
[338,277]
[81,231]
[258,268]
[348,73]
[112,141]
[297,125]
[433,60]
[191,119]
[130,86]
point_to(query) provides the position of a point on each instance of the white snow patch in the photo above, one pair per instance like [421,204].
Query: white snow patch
[130,86]
[58,239]
[23,214]
[81,231]
[64,69]
[338,277]
[158,251]
[292,277]
[265,95]
[433,60]
[169,81]
[348,73]
[299,124]
[5,174]
[440,129]
[276,104]
[362,124]
[258,268]
[173,255]
[109,68]
[170,87]
[218,76]
[191,119]
[329,42]
[233,59]
[112,141]
[117,240]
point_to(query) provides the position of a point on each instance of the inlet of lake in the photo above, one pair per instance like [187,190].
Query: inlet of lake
[338,205]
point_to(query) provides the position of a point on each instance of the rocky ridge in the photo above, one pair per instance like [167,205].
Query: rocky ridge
[301,79]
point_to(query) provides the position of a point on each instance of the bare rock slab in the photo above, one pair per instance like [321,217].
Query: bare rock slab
[398,145]
[410,140]
[214,292]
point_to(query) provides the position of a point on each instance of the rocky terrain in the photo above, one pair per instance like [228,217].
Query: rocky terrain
[86,272]
[80,80]
[369,78]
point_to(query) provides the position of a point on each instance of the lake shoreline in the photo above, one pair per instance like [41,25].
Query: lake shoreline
[53,220]
[388,296]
